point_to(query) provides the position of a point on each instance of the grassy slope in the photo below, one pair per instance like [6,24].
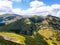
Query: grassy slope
[19,39]
[44,37]
[6,42]
[48,36]
[50,29]
[24,39]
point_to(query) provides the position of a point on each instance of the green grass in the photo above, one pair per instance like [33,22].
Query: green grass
[19,39]
[24,39]
[37,39]
[6,42]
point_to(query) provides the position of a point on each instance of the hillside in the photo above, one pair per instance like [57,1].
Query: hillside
[32,30]
[6,42]
[22,39]
[52,21]
[5,18]
[50,29]
[8,19]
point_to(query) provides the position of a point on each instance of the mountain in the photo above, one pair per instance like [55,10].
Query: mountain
[6,42]
[52,21]
[6,17]
[41,31]
[9,18]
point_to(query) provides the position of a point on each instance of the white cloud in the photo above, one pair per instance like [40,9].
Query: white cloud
[36,4]
[5,6]
[36,8]
[12,0]
[17,11]
[55,6]
[40,8]
[58,12]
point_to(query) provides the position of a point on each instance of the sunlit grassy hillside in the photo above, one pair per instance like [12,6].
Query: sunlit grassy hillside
[44,37]
[16,38]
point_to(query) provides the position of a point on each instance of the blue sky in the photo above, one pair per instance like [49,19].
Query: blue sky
[30,7]
[26,4]
[23,4]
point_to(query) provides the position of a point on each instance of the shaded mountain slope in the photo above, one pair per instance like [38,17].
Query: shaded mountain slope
[7,17]
[6,42]
[52,21]
[50,29]
[7,20]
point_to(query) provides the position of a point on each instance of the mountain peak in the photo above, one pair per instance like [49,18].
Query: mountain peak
[52,21]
